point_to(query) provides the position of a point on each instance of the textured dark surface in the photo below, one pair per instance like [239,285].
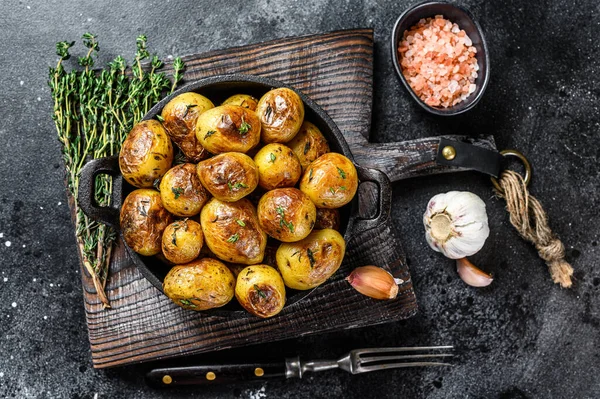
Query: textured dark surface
[522,337]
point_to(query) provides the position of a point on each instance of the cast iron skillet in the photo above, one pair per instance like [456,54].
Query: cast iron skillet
[218,89]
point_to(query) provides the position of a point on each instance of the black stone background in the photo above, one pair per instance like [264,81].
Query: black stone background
[522,337]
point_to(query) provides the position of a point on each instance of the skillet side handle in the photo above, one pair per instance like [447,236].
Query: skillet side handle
[87,187]
[384,200]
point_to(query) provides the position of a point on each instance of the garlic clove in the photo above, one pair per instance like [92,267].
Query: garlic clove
[456,224]
[373,282]
[471,274]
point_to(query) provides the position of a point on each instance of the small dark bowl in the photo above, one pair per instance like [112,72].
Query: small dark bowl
[464,20]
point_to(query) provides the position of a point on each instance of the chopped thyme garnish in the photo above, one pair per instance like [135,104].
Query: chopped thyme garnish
[240,222]
[142,210]
[244,127]
[306,147]
[236,186]
[311,258]
[177,191]
[233,238]
[268,112]
[341,172]
[187,109]
[187,303]
[208,134]
[272,158]
[160,118]
[259,291]
[332,190]
[282,221]
[310,174]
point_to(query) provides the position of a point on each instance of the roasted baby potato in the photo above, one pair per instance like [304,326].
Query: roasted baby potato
[286,214]
[182,241]
[309,144]
[200,285]
[181,191]
[260,290]
[327,219]
[228,128]
[229,176]
[143,220]
[278,166]
[330,181]
[281,112]
[146,154]
[179,118]
[232,232]
[243,100]
[309,263]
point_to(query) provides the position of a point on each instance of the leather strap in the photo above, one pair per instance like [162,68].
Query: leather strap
[469,156]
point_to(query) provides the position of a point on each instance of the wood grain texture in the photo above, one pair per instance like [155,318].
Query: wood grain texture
[335,70]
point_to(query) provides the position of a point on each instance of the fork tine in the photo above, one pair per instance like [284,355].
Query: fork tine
[370,359]
[403,349]
[367,369]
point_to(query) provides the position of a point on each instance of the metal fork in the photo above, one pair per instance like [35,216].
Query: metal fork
[355,362]
[365,360]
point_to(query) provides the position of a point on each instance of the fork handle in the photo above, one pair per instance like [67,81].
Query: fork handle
[214,374]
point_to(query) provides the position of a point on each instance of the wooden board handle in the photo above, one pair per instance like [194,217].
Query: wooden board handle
[406,159]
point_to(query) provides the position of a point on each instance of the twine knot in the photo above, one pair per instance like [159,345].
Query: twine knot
[531,221]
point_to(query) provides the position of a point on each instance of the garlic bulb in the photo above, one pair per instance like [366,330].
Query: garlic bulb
[456,224]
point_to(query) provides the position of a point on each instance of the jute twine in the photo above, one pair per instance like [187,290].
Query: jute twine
[531,221]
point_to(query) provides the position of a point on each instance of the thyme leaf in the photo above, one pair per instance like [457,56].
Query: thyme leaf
[272,158]
[240,222]
[208,134]
[233,238]
[177,191]
[259,291]
[311,257]
[341,172]
[306,147]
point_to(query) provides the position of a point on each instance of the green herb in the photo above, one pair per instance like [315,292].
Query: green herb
[93,110]
[177,191]
[341,172]
[272,158]
[187,302]
[178,67]
[240,222]
[299,255]
[332,190]
[268,113]
[306,147]
[179,158]
[156,184]
[187,109]
[310,174]
[160,118]
[174,236]
[343,188]
[208,134]
[244,127]
[236,186]
[234,238]
[259,291]
[311,257]
[282,221]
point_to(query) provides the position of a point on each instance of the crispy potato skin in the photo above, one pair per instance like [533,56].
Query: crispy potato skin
[146,154]
[229,176]
[330,181]
[286,214]
[221,129]
[309,263]
[143,220]
[327,219]
[260,290]
[179,119]
[278,166]
[181,191]
[309,144]
[242,100]
[232,232]
[182,241]
[281,113]
[200,285]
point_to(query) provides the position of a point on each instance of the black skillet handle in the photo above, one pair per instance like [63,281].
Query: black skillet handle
[214,374]
[87,187]
[383,200]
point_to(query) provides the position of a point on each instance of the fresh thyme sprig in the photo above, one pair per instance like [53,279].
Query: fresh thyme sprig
[93,112]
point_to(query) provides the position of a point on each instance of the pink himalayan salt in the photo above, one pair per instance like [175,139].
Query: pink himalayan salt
[438,62]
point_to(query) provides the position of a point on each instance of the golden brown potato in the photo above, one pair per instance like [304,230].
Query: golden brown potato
[308,263]
[179,118]
[277,166]
[146,154]
[309,144]
[200,285]
[286,214]
[181,191]
[182,241]
[229,176]
[330,181]
[243,100]
[260,290]
[327,219]
[281,112]
[232,232]
[228,128]
[143,220]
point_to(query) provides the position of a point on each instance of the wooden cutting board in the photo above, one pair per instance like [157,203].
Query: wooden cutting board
[336,71]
